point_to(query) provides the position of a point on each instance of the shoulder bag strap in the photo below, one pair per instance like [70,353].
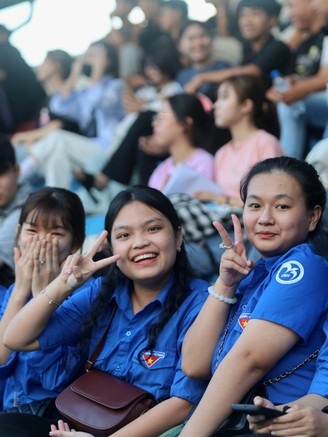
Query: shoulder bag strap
[90,362]
[289,372]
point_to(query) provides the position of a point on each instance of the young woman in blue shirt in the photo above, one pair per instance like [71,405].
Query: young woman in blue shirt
[279,305]
[157,300]
[51,226]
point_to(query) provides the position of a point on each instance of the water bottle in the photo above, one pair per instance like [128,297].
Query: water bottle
[282,84]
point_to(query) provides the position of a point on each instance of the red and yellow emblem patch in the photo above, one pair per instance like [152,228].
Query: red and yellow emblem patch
[151,358]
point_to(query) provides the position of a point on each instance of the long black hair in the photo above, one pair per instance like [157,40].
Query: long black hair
[181,270]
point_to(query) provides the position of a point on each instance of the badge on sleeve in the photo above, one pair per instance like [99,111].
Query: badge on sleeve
[151,358]
[290,272]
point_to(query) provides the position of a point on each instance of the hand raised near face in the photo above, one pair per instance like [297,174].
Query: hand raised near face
[25,259]
[234,265]
[46,266]
[79,268]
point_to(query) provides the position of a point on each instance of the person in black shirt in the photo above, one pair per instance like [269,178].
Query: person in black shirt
[262,52]
[304,103]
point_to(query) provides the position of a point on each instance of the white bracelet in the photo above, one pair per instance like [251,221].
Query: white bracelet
[51,301]
[229,300]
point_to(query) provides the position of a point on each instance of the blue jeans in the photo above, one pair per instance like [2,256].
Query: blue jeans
[294,124]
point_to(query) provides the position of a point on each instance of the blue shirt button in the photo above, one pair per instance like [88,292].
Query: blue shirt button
[128,333]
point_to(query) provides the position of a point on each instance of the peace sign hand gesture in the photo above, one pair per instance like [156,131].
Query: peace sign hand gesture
[78,268]
[234,265]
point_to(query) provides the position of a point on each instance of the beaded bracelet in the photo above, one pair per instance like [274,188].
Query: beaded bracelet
[228,300]
[51,301]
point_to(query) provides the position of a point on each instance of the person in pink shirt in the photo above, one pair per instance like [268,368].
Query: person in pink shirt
[181,128]
[241,107]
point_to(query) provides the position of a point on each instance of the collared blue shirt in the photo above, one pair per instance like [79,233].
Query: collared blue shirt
[101,103]
[289,290]
[38,375]
[158,372]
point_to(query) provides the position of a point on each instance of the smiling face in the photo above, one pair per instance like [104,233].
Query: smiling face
[34,225]
[228,110]
[195,42]
[147,244]
[275,214]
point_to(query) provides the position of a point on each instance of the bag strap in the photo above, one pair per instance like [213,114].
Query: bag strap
[90,362]
[275,378]
[289,372]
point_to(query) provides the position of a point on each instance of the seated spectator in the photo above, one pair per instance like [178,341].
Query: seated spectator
[196,45]
[160,69]
[242,107]
[12,197]
[97,109]
[180,129]
[156,300]
[51,226]
[52,73]
[21,94]
[304,103]
[259,339]
[262,53]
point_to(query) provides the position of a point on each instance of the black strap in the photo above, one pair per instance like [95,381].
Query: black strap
[90,362]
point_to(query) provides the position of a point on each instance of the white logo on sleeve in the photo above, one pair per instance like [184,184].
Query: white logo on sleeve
[290,272]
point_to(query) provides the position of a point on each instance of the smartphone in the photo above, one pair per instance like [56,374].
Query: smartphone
[255,410]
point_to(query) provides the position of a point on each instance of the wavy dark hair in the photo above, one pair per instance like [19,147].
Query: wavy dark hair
[304,173]
[181,270]
[264,115]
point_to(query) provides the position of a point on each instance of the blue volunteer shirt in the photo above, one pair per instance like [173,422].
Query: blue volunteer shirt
[289,290]
[35,376]
[159,371]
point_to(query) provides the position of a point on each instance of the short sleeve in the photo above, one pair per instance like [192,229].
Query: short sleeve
[297,283]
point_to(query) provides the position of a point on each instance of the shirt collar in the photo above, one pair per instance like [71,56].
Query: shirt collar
[122,294]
